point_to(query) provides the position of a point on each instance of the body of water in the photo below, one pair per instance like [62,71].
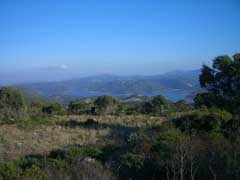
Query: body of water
[173,95]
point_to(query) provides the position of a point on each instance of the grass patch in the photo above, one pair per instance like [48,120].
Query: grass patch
[35,122]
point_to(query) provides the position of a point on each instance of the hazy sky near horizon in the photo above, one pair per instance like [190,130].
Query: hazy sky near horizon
[70,38]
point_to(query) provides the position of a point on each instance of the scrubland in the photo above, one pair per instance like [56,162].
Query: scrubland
[21,139]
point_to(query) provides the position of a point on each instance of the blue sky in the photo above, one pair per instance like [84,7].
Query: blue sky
[114,36]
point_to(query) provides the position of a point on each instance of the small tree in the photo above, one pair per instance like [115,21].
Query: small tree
[106,105]
[158,105]
[77,107]
[54,109]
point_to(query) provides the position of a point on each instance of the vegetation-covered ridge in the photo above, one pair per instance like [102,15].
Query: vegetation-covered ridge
[108,138]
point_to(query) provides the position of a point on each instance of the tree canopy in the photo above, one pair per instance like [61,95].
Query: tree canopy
[222,83]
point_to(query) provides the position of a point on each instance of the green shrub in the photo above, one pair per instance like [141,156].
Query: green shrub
[207,99]
[34,173]
[54,109]
[35,122]
[166,141]
[56,163]
[73,152]
[157,106]
[29,161]
[9,171]
[133,161]
[231,128]
[106,105]
[57,154]
[35,108]
[182,106]
[76,152]
[12,105]
[208,120]
[77,107]
[95,153]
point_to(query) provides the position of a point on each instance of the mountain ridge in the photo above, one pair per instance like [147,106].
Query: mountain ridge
[185,82]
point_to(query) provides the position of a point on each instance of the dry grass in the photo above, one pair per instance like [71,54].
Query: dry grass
[16,141]
[129,121]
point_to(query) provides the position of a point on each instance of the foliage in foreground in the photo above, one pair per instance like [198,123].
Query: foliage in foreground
[12,105]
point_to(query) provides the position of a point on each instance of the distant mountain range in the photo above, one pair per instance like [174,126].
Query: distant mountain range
[174,85]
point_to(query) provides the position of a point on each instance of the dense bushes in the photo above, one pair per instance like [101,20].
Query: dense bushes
[158,105]
[35,122]
[208,120]
[12,105]
[162,153]
[54,109]
[33,173]
[70,163]
[105,105]
[9,171]
[78,107]
[133,161]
